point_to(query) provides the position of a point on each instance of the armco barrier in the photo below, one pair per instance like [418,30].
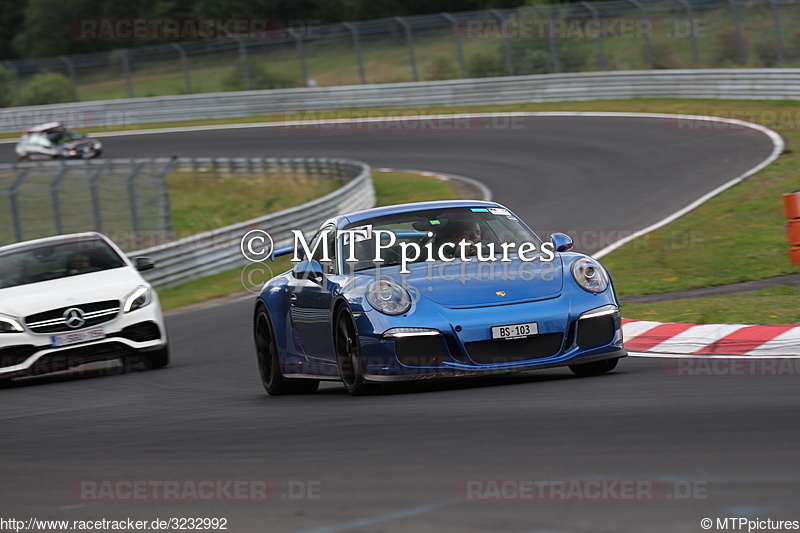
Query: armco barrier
[741,84]
[219,250]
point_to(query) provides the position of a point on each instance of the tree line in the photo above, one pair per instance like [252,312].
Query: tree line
[41,28]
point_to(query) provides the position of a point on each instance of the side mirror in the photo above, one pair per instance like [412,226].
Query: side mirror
[561,242]
[144,263]
[310,270]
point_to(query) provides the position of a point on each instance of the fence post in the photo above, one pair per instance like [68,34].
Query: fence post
[243,61]
[778,33]
[693,32]
[184,66]
[98,221]
[601,53]
[12,193]
[165,208]
[737,28]
[132,193]
[551,38]
[15,75]
[462,67]
[648,45]
[54,196]
[357,46]
[126,70]
[506,44]
[410,43]
[301,54]
[71,73]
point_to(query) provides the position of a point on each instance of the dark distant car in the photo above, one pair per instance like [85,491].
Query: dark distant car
[55,141]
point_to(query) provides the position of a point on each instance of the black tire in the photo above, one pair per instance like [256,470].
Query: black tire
[348,353]
[594,369]
[158,358]
[269,367]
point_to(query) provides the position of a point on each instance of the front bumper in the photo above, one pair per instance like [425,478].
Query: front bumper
[567,336]
[128,334]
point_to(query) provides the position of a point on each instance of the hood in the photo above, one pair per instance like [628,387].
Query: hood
[113,284]
[474,284]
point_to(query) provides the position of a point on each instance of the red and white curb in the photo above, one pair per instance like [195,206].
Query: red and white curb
[711,339]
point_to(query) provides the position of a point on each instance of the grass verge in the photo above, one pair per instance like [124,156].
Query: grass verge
[390,188]
[202,202]
[776,305]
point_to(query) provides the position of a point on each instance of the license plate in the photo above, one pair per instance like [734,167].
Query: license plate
[65,339]
[515,331]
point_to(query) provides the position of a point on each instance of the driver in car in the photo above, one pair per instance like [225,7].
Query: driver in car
[457,231]
[80,263]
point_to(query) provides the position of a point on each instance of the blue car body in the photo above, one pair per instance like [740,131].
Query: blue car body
[447,331]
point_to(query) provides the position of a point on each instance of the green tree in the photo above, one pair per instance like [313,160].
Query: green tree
[47,88]
[6,87]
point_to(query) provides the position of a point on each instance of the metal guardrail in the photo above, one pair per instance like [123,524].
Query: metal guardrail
[219,250]
[295,104]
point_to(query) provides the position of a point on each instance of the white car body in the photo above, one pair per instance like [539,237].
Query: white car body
[55,141]
[82,318]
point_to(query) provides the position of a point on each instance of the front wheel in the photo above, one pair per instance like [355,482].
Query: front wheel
[594,369]
[348,353]
[269,366]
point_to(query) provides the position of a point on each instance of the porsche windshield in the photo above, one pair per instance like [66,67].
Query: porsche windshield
[483,230]
[54,260]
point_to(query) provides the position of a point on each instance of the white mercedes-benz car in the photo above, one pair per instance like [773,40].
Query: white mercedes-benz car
[74,299]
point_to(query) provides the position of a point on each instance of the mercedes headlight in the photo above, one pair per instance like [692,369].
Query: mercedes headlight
[9,325]
[138,298]
[388,297]
[589,275]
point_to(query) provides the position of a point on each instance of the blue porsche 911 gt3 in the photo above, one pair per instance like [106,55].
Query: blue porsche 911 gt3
[433,290]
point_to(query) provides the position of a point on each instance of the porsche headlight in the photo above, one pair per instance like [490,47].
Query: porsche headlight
[97,146]
[9,325]
[137,299]
[589,275]
[388,297]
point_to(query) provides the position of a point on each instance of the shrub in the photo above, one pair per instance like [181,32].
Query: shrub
[767,53]
[260,78]
[535,56]
[486,65]
[728,47]
[6,87]
[47,88]
[442,68]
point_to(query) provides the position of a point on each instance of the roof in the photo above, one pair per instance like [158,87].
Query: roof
[45,127]
[89,235]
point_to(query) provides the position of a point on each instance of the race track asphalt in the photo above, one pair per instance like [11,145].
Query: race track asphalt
[695,439]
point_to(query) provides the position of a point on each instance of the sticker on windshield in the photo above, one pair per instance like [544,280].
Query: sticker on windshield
[499,211]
